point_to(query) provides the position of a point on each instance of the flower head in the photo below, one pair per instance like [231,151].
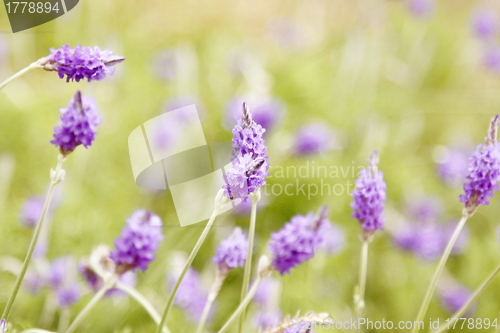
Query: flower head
[77,125]
[297,241]
[232,251]
[62,278]
[454,296]
[31,211]
[315,138]
[138,243]
[266,111]
[484,171]
[491,59]
[421,8]
[452,168]
[267,318]
[250,162]
[333,237]
[484,23]
[81,62]
[369,196]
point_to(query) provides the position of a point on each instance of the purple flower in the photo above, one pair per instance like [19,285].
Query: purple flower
[288,33]
[369,196]
[165,64]
[452,169]
[138,243]
[33,281]
[232,251]
[266,112]
[3,326]
[424,208]
[267,318]
[333,237]
[491,59]
[78,124]
[484,23]
[454,296]
[191,296]
[484,171]
[300,327]
[315,138]
[128,279]
[421,8]
[81,62]
[297,241]
[250,162]
[32,210]
[62,278]
[267,292]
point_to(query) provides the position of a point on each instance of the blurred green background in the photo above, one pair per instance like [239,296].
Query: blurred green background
[381,77]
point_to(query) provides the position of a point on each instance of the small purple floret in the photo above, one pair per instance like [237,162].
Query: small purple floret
[484,23]
[232,251]
[315,138]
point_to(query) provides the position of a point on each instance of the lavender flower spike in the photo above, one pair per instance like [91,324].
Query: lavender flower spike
[77,126]
[297,241]
[484,171]
[369,196]
[250,162]
[232,251]
[81,62]
[139,241]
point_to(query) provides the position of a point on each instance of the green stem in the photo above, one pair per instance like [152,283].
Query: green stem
[255,197]
[36,330]
[34,239]
[64,318]
[438,272]
[185,269]
[212,295]
[86,310]
[20,73]
[472,299]
[362,278]
[135,294]
[242,306]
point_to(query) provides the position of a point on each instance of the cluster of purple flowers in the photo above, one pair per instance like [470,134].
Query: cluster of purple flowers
[298,240]
[138,243]
[232,251]
[315,138]
[485,27]
[81,62]
[484,171]
[453,167]
[250,162]
[369,196]
[78,124]
[268,112]
[62,278]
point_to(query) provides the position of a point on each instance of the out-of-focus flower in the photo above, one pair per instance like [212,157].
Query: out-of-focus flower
[299,323]
[315,138]
[369,196]
[421,8]
[300,327]
[232,251]
[267,298]
[484,170]
[245,208]
[185,100]
[165,64]
[267,318]
[333,238]
[3,326]
[33,281]
[453,167]
[288,33]
[78,124]
[424,208]
[138,243]
[128,279]
[31,211]
[268,291]
[491,59]
[297,241]
[454,296]
[267,112]
[249,161]
[191,297]
[81,62]
[484,23]
[62,278]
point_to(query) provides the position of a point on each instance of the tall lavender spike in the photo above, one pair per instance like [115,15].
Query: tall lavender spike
[246,118]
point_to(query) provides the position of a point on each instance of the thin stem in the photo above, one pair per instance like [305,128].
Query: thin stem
[86,310]
[64,318]
[438,272]
[212,295]
[36,330]
[20,73]
[34,239]
[185,269]
[242,306]
[255,197]
[362,278]
[472,298]
[135,294]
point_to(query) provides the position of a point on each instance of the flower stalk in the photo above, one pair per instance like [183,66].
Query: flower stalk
[460,312]
[255,197]
[221,275]
[20,73]
[56,177]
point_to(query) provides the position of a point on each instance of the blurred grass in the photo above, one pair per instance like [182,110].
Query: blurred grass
[384,79]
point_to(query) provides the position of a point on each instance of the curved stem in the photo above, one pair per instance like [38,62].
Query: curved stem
[86,310]
[242,306]
[34,239]
[185,269]
[212,295]
[438,272]
[248,262]
[20,73]
[472,298]
[135,294]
